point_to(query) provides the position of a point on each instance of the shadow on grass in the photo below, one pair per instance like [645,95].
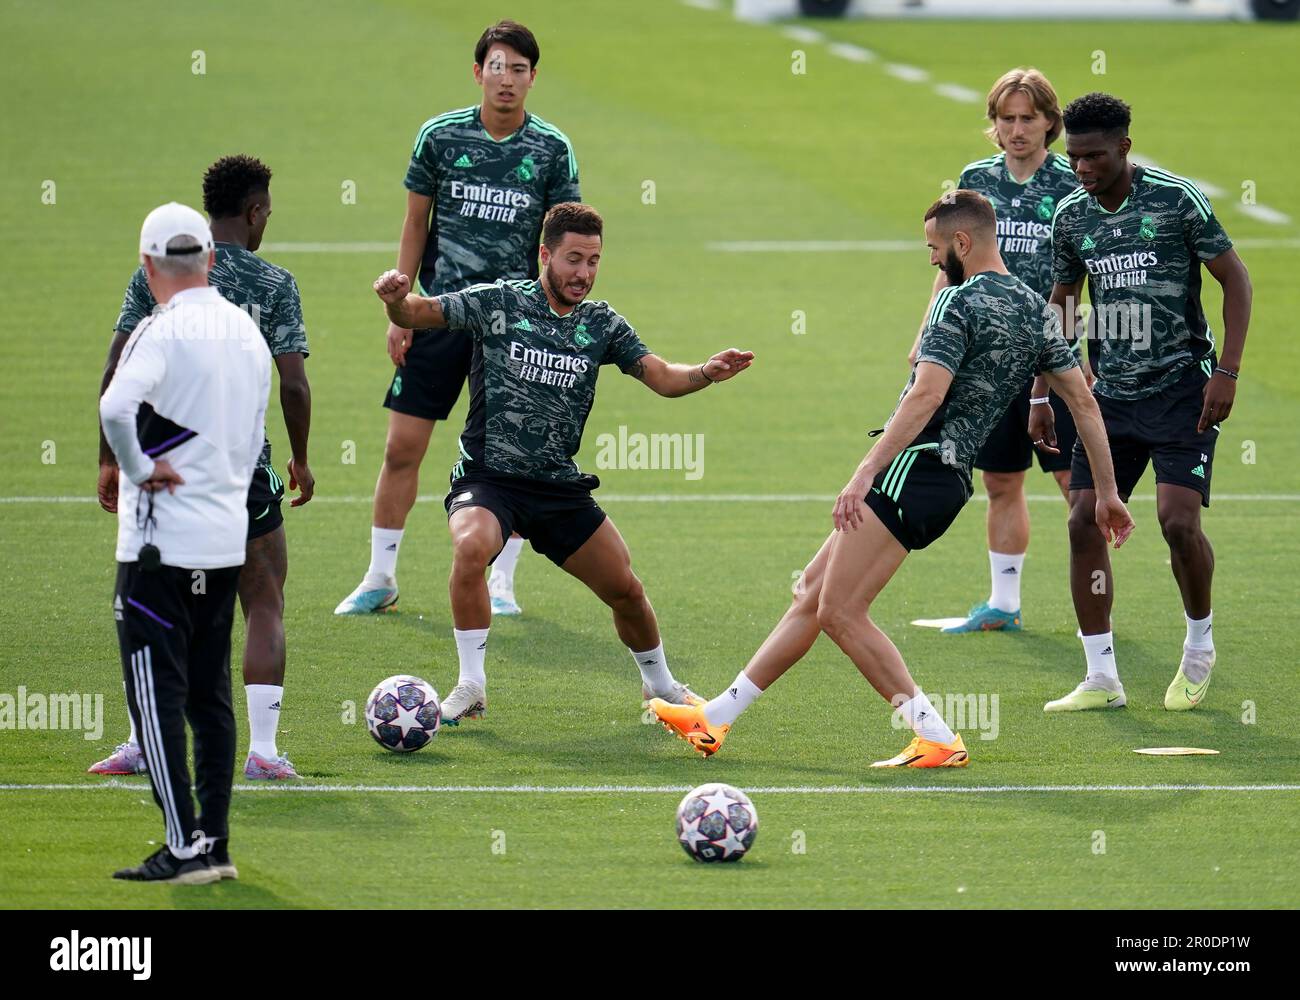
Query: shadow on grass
[238,894]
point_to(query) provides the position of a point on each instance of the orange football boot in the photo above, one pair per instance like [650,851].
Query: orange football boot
[690,723]
[929,753]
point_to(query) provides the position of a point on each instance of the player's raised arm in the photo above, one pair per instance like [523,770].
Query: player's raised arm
[680,380]
[413,312]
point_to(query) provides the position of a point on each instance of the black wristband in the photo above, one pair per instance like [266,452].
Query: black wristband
[711,381]
[1224,371]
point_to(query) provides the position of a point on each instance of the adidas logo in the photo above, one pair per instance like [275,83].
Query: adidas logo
[483,644]
[648,663]
[1108,651]
[1087,243]
[523,324]
[464,161]
[273,708]
[1010,570]
[1207,629]
[734,693]
[1199,471]
[391,548]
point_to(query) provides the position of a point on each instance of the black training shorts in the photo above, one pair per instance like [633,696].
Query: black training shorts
[557,517]
[1160,429]
[918,496]
[428,385]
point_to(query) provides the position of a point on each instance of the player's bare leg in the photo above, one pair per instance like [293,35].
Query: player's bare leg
[604,564]
[1192,559]
[395,493]
[1007,526]
[1062,477]
[261,596]
[1190,553]
[1008,515]
[1092,587]
[705,727]
[797,630]
[861,563]
[399,478]
[475,539]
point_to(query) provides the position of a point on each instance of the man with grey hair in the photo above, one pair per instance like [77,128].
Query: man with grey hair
[183,416]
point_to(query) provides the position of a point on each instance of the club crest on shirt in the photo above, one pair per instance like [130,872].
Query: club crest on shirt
[526,170]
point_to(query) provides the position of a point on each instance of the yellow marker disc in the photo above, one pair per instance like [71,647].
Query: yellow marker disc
[1176,751]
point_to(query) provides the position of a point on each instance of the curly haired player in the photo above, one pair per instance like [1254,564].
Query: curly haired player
[237,199]
[1139,236]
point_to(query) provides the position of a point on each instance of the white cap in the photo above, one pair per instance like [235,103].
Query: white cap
[166,222]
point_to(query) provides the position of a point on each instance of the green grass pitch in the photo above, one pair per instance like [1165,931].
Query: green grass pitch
[106,117]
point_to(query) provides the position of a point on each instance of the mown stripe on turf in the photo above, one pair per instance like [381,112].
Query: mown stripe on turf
[287,789]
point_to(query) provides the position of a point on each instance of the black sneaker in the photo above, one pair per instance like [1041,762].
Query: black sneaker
[163,866]
[219,858]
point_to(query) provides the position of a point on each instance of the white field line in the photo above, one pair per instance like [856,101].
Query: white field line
[287,789]
[710,498]
[908,74]
[1265,214]
[956,92]
[853,53]
[805,36]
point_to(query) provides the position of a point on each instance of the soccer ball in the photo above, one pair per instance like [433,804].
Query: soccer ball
[716,822]
[403,713]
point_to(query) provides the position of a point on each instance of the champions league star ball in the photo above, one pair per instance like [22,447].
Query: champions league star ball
[716,823]
[403,713]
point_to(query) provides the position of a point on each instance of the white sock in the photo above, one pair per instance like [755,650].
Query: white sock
[1005,571]
[1100,652]
[471,646]
[503,570]
[726,707]
[1200,634]
[654,670]
[263,717]
[133,739]
[925,720]
[384,543]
